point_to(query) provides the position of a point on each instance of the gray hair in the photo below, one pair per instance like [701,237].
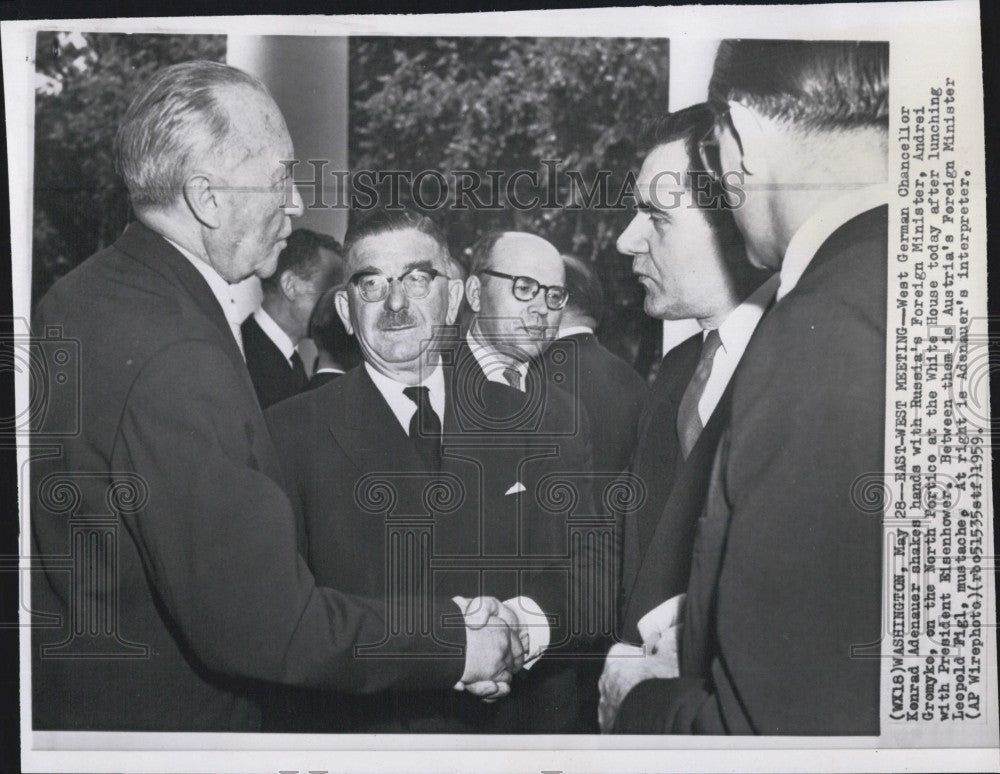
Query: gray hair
[173,122]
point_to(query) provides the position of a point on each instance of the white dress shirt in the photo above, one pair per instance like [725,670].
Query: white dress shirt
[221,289]
[734,333]
[819,226]
[573,330]
[492,363]
[403,407]
[276,334]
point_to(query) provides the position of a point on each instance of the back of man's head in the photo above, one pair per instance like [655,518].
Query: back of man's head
[328,333]
[586,296]
[311,256]
[812,85]
[173,123]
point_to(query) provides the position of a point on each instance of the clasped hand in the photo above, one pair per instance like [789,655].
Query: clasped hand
[495,647]
[628,665]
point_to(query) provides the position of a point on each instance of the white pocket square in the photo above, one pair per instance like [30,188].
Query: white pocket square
[518,487]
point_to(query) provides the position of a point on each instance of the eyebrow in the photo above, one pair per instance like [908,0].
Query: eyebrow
[369,270]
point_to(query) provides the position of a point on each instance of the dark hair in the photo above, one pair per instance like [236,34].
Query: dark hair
[814,84]
[585,292]
[690,125]
[329,334]
[384,221]
[173,121]
[302,257]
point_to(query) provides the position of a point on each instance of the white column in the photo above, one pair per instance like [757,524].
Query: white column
[691,62]
[307,76]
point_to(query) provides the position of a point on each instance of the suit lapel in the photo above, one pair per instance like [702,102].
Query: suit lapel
[659,418]
[365,428]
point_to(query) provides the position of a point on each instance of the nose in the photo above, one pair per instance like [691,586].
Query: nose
[396,298]
[293,205]
[630,241]
[537,305]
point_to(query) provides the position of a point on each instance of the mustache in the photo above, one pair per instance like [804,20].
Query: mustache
[400,319]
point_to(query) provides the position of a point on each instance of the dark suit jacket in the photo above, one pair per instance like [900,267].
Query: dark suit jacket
[659,535]
[785,588]
[343,449]
[321,378]
[612,392]
[273,377]
[192,585]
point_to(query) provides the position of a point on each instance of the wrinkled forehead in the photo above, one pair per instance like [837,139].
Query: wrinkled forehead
[663,176]
[530,256]
[394,252]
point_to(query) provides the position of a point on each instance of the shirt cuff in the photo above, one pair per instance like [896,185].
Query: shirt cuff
[532,621]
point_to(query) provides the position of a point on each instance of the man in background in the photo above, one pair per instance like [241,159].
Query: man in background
[309,264]
[785,589]
[199,586]
[516,290]
[689,258]
[336,350]
[608,387]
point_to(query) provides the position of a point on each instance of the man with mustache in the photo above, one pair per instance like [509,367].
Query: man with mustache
[690,259]
[189,597]
[411,449]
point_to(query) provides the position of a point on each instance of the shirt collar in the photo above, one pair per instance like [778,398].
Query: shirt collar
[275,333]
[403,407]
[221,289]
[573,330]
[491,362]
[819,226]
[739,325]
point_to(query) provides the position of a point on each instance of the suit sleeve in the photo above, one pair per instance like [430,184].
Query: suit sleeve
[217,538]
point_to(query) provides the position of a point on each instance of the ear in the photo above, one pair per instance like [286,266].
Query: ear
[290,284]
[343,305]
[202,200]
[752,137]
[472,288]
[455,292]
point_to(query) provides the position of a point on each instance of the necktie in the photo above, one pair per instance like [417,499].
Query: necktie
[298,369]
[689,424]
[513,377]
[425,427]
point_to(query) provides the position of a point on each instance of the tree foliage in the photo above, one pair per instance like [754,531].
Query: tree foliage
[509,104]
[84,82]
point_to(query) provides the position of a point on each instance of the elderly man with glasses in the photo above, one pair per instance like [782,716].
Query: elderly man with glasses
[410,472]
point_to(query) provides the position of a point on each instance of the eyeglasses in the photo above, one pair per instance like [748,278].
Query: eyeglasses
[526,288]
[375,287]
[708,146]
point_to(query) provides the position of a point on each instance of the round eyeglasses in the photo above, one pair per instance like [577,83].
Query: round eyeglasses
[526,288]
[375,287]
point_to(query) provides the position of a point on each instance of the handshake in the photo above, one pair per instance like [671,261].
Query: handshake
[497,645]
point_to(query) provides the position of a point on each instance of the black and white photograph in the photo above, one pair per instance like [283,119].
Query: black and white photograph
[402,388]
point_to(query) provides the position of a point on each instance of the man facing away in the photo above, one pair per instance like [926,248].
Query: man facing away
[336,350]
[156,508]
[783,611]
[307,266]
[689,257]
